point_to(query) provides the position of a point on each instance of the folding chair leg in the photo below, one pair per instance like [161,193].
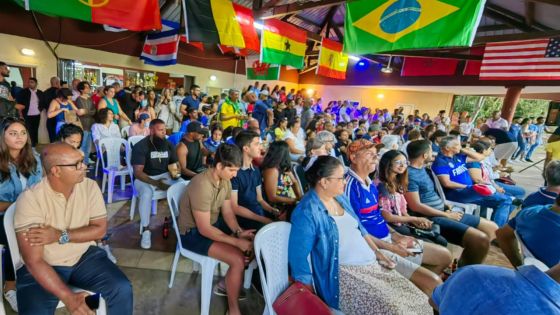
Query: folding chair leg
[111,187]
[103,183]
[154,207]
[174,267]
[206,288]
[132,207]
[123,181]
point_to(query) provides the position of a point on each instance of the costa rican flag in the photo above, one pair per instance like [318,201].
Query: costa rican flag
[160,48]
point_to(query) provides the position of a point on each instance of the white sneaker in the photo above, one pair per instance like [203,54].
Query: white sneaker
[11,297]
[107,250]
[146,241]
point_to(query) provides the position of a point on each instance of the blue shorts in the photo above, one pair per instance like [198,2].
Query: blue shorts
[454,231]
[196,242]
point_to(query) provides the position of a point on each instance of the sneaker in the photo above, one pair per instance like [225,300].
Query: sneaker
[11,297]
[146,241]
[529,160]
[221,291]
[107,250]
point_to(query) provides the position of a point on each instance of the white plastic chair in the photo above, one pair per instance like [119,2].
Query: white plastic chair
[271,250]
[294,170]
[208,264]
[125,131]
[467,208]
[2,267]
[134,139]
[528,257]
[18,262]
[112,167]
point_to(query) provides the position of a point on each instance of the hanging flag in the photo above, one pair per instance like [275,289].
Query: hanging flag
[260,71]
[160,48]
[423,67]
[213,21]
[472,67]
[535,59]
[245,18]
[199,45]
[332,61]
[388,25]
[283,43]
[134,15]
[233,50]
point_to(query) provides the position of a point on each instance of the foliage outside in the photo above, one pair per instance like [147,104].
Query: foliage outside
[525,107]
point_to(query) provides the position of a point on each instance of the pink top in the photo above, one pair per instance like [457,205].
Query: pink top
[394,204]
[135,130]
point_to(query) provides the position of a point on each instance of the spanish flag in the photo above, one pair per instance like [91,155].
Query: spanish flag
[332,61]
[283,44]
[213,21]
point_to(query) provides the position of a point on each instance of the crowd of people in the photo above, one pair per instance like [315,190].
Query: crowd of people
[373,196]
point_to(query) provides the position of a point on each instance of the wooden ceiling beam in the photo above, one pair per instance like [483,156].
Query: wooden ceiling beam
[308,21]
[327,22]
[551,2]
[293,8]
[529,12]
[495,27]
[505,16]
[511,37]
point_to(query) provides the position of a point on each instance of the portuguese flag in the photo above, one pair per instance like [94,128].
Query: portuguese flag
[134,15]
[332,61]
[213,21]
[389,25]
[283,44]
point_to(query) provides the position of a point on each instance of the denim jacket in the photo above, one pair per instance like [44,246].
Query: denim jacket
[11,187]
[315,233]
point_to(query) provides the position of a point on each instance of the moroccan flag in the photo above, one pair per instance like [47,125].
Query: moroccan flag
[389,25]
[134,15]
[283,44]
[332,61]
[424,67]
[260,71]
[213,21]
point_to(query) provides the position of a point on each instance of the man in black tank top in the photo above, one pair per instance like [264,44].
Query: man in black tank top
[191,152]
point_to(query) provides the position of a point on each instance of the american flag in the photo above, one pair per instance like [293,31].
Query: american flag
[536,59]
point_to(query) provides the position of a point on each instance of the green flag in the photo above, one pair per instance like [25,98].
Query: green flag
[260,71]
[388,25]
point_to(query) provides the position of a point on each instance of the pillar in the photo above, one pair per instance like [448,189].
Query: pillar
[510,102]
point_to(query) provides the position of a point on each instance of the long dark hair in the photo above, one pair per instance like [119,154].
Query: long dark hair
[401,183]
[278,156]
[26,163]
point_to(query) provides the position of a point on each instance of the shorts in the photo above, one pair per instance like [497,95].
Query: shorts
[406,266]
[196,242]
[454,231]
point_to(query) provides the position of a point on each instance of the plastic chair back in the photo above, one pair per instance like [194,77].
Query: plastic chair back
[134,139]
[112,149]
[11,236]
[125,131]
[271,250]
[174,194]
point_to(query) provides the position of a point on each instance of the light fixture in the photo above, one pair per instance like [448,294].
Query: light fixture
[380,95]
[27,52]
[258,26]
[213,78]
[310,92]
[388,69]
[354,58]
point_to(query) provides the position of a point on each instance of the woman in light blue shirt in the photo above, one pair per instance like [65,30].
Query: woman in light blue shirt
[20,168]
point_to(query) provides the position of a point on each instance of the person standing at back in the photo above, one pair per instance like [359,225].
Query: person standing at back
[31,98]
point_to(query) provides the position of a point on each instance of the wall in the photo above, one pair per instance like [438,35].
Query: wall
[426,102]
[46,66]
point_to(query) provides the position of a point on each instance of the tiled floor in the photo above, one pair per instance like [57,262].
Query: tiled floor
[149,269]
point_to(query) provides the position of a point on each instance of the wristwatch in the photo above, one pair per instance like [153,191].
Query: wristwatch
[64,238]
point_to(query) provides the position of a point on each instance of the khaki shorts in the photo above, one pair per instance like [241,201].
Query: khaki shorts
[405,266]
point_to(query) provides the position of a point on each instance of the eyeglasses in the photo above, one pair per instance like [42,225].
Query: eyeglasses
[401,163]
[337,178]
[78,165]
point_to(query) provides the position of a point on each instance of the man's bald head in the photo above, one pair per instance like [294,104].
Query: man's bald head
[58,153]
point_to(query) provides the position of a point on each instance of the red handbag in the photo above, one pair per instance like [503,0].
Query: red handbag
[299,300]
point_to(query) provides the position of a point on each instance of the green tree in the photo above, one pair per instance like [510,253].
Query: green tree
[525,107]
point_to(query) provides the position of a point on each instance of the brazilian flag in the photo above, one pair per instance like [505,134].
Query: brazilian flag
[388,25]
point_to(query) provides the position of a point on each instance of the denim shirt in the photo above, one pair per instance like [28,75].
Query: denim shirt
[315,232]
[11,187]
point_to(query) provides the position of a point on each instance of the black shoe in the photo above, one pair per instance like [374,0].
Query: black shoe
[218,290]
[529,160]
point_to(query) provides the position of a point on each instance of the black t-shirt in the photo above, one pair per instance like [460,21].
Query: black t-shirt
[129,105]
[500,135]
[154,155]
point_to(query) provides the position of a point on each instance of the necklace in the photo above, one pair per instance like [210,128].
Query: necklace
[156,149]
[332,207]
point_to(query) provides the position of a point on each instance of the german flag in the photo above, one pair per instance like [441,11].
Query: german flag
[213,21]
[332,61]
[283,44]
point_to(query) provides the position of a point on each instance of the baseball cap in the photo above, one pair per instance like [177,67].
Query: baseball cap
[195,126]
[264,92]
[359,145]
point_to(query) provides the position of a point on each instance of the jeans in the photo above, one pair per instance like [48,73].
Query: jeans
[94,272]
[522,145]
[86,146]
[531,150]
[513,190]
[145,193]
[501,203]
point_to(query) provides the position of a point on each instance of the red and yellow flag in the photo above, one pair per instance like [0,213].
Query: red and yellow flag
[332,61]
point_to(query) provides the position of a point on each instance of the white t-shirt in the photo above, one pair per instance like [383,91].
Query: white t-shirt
[352,247]
[466,128]
[299,142]
[498,124]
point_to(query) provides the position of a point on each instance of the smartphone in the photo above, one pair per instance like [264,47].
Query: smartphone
[92,301]
[416,250]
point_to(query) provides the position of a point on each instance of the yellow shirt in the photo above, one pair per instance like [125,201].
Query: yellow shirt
[554,148]
[40,204]
[228,110]
[279,134]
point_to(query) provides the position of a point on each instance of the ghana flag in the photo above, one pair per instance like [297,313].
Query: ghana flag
[388,25]
[283,44]
[213,21]
[332,61]
[134,15]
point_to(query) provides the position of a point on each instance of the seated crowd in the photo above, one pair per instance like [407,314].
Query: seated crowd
[373,197]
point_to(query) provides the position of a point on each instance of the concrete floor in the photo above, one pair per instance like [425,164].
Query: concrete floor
[148,270]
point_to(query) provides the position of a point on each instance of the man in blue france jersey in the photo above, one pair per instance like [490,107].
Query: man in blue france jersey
[451,170]
[364,199]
